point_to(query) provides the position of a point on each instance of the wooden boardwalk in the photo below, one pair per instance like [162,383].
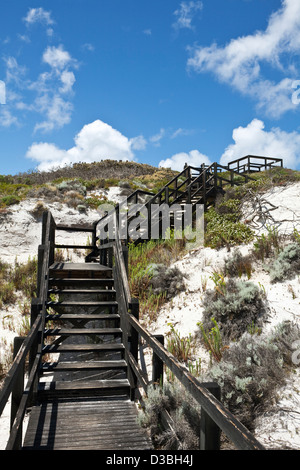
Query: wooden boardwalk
[85,424]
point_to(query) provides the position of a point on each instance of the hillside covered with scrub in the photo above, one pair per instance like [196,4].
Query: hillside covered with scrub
[229,310]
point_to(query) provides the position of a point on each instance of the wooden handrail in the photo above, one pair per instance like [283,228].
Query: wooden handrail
[35,336]
[239,435]
[16,366]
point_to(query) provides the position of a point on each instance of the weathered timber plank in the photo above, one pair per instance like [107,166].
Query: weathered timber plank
[92,365]
[95,424]
[82,331]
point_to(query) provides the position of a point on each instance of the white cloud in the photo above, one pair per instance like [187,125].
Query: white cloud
[88,47]
[57,110]
[38,15]
[155,139]
[95,142]
[68,79]
[183,132]
[15,73]
[138,143]
[186,13]
[6,117]
[255,140]
[177,161]
[57,57]
[239,62]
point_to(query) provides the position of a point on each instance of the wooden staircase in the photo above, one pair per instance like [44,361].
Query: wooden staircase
[83,328]
[84,395]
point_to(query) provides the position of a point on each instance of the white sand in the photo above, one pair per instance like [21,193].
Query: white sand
[21,233]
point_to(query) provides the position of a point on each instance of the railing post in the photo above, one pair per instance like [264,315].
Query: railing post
[52,240]
[215,175]
[17,392]
[125,256]
[134,343]
[41,251]
[203,184]
[36,308]
[157,364]
[209,430]
[167,195]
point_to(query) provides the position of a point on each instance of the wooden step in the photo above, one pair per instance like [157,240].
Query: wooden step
[103,304]
[77,247]
[110,292]
[82,316]
[80,270]
[82,331]
[107,387]
[75,228]
[80,281]
[84,366]
[73,348]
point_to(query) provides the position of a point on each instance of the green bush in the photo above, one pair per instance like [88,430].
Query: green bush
[267,245]
[225,229]
[286,264]
[237,264]
[253,369]
[10,200]
[184,411]
[72,185]
[235,306]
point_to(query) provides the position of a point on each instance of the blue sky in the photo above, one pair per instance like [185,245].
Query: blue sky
[162,82]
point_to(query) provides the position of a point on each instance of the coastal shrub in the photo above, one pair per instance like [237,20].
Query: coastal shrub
[184,411]
[286,264]
[38,209]
[7,293]
[24,276]
[223,229]
[253,369]
[164,279]
[180,346]
[9,200]
[267,245]
[72,185]
[234,306]
[213,340]
[149,262]
[238,264]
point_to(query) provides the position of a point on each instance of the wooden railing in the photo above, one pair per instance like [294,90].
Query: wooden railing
[191,186]
[22,397]
[214,416]
[253,163]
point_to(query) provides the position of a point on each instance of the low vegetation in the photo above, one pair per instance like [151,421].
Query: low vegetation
[151,279]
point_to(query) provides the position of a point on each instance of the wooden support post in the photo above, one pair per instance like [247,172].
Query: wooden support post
[157,364]
[215,175]
[125,256]
[17,392]
[36,308]
[209,430]
[203,184]
[167,195]
[134,344]
[41,251]
[110,257]
[44,223]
